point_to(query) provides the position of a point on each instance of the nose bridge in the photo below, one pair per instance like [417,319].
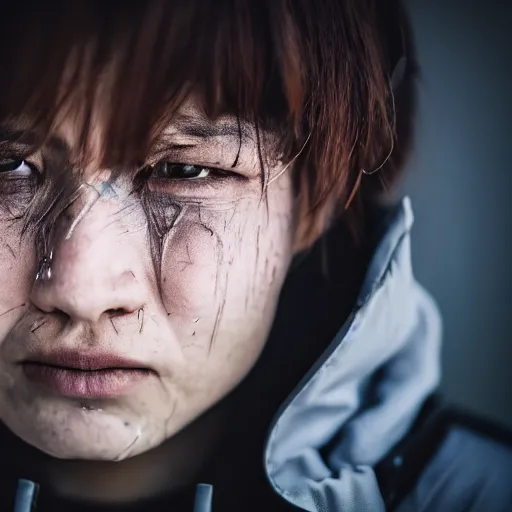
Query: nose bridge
[85,233]
[91,268]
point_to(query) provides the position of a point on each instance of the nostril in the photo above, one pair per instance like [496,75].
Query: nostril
[116,312]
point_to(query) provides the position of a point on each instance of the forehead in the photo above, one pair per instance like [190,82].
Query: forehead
[190,126]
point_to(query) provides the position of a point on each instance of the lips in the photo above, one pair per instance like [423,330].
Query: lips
[85,375]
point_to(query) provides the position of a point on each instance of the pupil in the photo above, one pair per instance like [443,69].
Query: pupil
[190,170]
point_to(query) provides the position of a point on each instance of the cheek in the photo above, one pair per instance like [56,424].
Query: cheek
[191,264]
[17,265]
[222,271]
[221,276]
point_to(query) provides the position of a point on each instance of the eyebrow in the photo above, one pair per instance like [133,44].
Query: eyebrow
[194,126]
[13,138]
[202,128]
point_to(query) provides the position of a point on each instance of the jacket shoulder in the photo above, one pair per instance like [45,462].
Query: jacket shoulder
[451,460]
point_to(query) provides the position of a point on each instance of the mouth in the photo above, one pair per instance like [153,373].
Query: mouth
[85,375]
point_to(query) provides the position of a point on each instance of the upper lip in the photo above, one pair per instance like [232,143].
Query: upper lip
[90,361]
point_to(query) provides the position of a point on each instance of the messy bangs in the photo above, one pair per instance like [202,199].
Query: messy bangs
[314,72]
[137,62]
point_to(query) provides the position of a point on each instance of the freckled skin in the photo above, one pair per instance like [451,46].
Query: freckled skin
[222,265]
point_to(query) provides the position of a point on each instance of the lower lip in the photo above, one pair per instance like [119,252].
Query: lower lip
[85,384]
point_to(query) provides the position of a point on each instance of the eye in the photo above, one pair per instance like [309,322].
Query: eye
[174,171]
[20,167]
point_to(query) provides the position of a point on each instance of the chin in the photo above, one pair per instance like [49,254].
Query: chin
[86,434]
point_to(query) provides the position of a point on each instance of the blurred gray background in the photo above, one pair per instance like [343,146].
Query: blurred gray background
[460,183]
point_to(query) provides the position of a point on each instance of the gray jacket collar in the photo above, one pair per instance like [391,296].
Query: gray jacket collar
[365,390]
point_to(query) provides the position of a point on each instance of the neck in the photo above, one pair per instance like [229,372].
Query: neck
[163,470]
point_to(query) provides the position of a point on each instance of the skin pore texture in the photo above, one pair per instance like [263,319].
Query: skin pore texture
[182,278]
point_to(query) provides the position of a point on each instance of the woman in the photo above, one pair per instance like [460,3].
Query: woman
[205,287]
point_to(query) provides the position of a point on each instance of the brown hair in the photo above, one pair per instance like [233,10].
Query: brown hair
[316,71]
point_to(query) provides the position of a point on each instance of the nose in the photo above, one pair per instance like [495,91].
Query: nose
[94,272]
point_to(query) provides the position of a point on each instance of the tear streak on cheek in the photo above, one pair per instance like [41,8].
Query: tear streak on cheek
[16,268]
[191,264]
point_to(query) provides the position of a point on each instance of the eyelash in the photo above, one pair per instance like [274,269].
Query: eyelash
[168,167]
[214,183]
[12,165]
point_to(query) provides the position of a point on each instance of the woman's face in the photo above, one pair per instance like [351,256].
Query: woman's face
[103,354]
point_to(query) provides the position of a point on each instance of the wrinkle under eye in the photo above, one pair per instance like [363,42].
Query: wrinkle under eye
[193,182]
[18,181]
